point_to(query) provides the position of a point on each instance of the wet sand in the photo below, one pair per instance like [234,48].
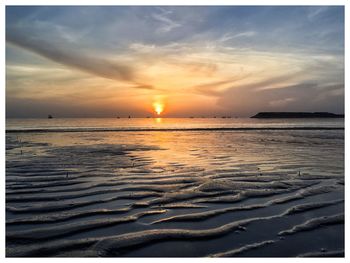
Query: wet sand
[175,194]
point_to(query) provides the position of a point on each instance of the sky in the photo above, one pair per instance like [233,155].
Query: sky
[91,61]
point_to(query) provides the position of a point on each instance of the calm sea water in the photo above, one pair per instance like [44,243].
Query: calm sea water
[72,124]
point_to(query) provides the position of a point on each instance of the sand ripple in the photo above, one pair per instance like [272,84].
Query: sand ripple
[221,194]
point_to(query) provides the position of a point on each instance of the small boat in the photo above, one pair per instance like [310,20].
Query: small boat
[49,116]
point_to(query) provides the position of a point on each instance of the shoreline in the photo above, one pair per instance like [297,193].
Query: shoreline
[174,129]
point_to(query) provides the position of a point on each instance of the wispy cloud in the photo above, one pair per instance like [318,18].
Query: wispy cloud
[231,36]
[167,24]
[281,102]
[314,12]
[72,58]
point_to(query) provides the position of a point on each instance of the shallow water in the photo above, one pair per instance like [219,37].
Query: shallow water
[180,193]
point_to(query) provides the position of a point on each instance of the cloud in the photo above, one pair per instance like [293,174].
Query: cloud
[94,65]
[142,48]
[167,24]
[230,36]
[214,88]
[143,86]
[314,12]
[282,102]
[305,96]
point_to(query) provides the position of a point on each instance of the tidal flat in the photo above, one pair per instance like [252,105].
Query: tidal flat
[258,193]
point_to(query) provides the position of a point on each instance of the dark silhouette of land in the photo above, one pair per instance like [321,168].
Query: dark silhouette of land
[280,115]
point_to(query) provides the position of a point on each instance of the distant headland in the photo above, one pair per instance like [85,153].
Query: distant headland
[280,115]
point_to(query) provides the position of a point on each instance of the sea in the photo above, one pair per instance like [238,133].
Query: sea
[171,187]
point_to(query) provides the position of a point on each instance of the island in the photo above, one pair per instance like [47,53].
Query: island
[284,115]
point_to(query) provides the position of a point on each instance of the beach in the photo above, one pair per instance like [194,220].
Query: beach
[171,188]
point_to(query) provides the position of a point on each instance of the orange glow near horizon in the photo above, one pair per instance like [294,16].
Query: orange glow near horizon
[158,107]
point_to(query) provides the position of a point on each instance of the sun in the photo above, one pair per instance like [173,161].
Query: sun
[158,107]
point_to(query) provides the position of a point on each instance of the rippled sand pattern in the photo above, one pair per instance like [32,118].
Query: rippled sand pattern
[175,194]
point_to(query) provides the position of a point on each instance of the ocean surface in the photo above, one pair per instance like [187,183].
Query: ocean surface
[125,124]
[192,187]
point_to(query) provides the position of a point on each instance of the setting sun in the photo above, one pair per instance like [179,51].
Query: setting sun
[158,107]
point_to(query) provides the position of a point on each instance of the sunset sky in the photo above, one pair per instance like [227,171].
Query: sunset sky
[196,61]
